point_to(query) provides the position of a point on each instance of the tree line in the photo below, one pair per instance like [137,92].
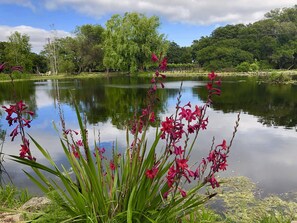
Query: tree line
[127,42]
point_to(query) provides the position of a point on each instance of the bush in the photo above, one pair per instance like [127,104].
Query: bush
[243,67]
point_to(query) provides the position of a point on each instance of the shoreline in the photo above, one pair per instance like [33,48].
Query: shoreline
[289,74]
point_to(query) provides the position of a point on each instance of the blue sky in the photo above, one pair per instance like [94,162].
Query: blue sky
[182,21]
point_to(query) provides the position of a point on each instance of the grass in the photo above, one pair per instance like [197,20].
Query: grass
[238,196]
[11,197]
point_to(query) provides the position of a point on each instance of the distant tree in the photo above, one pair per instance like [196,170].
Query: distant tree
[186,54]
[173,53]
[130,41]
[18,51]
[69,59]
[90,40]
[285,57]
[50,51]
[268,41]
[39,63]
[178,55]
[2,51]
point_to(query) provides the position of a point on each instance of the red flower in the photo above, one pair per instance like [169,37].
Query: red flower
[151,173]
[183,193]
[223,145]
[163,64]
[178,150]
[154,58]
[212,76]
[74,151]
[152,117]
[111,165]
[223,166]
[167,126]
[2,67]
[213,182]
[17,68]
[24,150]
[182,163]
[79,143]
[209,86]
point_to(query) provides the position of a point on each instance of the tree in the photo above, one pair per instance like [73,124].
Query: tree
[18,51]
[130,41]
[70,60]
[39,64]
[2,51]
[177,54]
[90,40]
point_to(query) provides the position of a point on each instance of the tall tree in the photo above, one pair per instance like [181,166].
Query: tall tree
[130,41]
[90,40]
[18,51]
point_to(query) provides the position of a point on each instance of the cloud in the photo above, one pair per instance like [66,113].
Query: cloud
[199,12]
[38,37]
[24,3]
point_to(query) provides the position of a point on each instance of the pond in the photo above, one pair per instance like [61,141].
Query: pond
[264,148]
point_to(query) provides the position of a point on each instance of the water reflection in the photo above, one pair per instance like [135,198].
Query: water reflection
[264,148]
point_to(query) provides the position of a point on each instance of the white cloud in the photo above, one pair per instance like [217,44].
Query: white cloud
[38,37]
[200,12]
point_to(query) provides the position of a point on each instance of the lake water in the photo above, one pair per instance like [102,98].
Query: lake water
[265,147]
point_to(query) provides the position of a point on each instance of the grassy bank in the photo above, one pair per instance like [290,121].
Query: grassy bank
[237,201]
[269,76]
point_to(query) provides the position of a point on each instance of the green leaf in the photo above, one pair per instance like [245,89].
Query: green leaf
[130,206]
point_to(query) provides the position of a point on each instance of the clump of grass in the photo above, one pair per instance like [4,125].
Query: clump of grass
[202,215]
[279,77]
[11,197]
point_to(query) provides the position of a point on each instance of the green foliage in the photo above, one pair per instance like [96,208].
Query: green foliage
[278,77]
[18,51]
[254,67]
[243,67]
[51,212]
[271,41]
[179,55]
[202,216]
[130,42]
[246,67]
[241,203]
[11,197]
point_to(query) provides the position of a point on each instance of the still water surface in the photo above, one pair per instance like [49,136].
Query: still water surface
[265,147]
